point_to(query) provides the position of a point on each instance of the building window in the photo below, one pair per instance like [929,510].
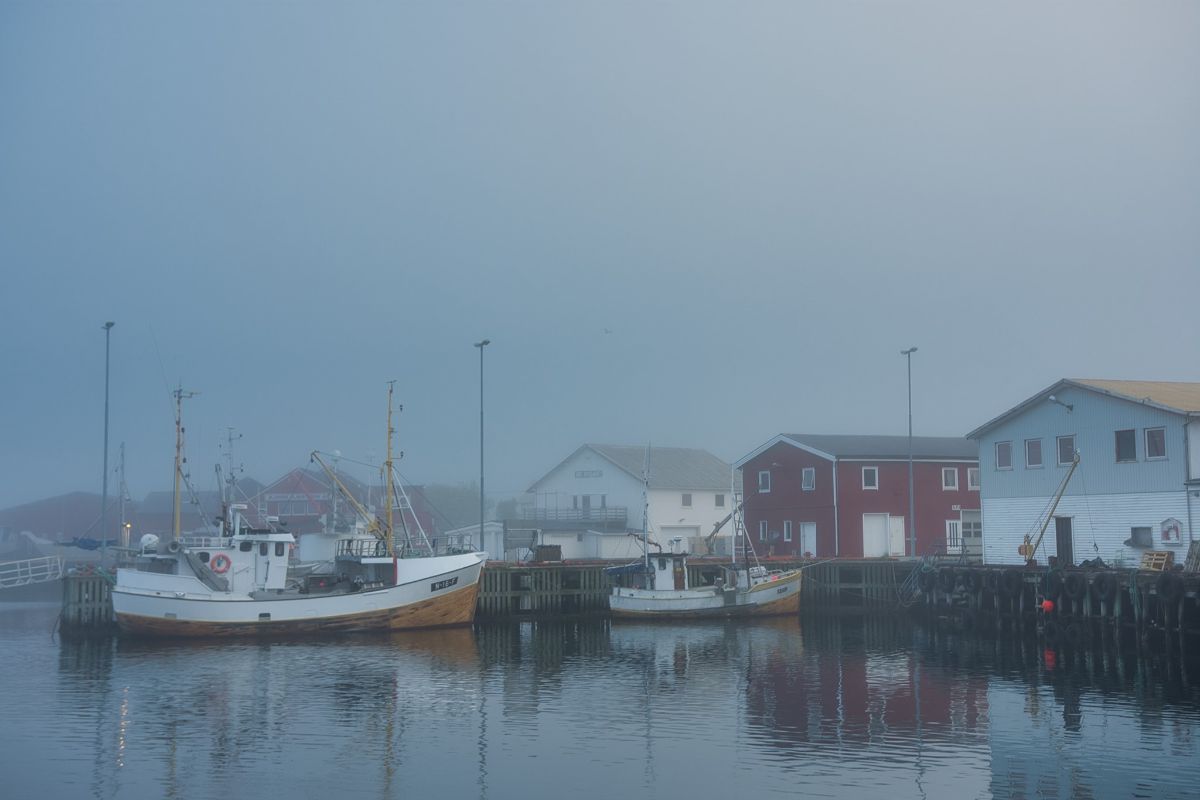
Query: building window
[808,479]
[870,477]
[973,479]
[787,530]
[1156,443]
[1033,453]
[764,481]
[687,500]
[1066,450]
[719,501]
[1126,446]
[588,473]
[1141,536]
[1003,455]
[762,530]
[950,479]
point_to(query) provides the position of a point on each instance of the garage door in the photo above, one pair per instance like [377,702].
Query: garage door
[876,530]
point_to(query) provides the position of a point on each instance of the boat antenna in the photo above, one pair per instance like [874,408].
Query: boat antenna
[387,471]
[124,535]
[736,531]
[180,395]
[646,508]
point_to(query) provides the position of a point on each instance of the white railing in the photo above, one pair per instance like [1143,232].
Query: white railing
[193,542]
[31,570]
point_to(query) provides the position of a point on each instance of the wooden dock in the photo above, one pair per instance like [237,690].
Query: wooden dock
[1081,601]
[87,603]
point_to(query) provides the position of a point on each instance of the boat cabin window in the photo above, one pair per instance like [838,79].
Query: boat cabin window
[262,548]
[203,556]
[280,548]
[246,547]
[662,563]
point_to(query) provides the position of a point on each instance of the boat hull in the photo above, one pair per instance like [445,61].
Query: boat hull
[432,601]
[769,599]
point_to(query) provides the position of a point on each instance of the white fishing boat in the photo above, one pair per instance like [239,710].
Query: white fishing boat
[239,583]
[659,585]
[664,592]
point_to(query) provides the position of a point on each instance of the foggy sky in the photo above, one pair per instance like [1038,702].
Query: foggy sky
[285,205]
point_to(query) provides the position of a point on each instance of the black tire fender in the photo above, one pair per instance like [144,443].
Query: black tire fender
[946,579]
[1075,585]
[1169,586]
[1011,582]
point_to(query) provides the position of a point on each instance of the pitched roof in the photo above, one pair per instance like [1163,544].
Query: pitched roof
[857,446]
[1179,397]
[1174,395]
[670,467]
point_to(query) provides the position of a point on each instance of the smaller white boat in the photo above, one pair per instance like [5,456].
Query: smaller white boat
[660,589]
[665,593]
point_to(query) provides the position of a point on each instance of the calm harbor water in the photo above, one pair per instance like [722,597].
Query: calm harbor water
[835,708]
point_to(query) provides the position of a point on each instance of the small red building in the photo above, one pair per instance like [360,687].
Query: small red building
[847,496]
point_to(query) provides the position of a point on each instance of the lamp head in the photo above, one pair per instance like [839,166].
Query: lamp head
[908,352]
[108,325]
[483,344]
[1068,406]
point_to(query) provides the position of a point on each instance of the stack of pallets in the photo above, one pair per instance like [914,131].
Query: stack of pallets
[1158,560]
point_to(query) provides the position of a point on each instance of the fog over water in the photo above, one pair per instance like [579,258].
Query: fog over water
[697,224]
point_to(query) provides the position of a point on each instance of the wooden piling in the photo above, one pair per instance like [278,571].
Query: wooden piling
[87,603]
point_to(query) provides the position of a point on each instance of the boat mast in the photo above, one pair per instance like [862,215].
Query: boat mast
[646,509]
[122,538]
[737,518]
[387,473]
[180,396]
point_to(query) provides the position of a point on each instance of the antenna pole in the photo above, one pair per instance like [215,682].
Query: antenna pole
[387,475]
[180,460]
[646,509]
[124,491]
[104,485]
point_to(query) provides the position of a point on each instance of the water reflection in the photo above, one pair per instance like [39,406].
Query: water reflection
[837,707]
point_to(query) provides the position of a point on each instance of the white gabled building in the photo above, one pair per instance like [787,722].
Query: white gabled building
[592,501]
[1137,486]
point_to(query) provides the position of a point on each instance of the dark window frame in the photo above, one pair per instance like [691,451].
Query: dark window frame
[1008,445]
[1129,443]
[1058,445]
[1041,462]
[1146,443]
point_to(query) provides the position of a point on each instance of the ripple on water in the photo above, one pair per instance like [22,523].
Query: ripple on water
[632,711]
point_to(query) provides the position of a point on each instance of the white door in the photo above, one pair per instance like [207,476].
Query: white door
[896,536]
[953,537]
[875,535]
[808,538]
[972,534]
[262,565]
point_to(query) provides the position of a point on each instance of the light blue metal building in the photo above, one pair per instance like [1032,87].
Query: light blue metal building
[1137,486]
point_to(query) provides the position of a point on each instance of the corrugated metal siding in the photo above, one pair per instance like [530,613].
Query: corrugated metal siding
[1104,520]
[1094,422]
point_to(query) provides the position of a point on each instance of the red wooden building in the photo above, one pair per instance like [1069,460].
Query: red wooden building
[847,496]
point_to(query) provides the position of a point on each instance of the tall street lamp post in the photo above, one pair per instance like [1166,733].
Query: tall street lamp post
[912,514]
[104,484]
[481,345]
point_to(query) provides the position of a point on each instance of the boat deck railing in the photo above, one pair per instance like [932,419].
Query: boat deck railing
[29,571]
[203,542]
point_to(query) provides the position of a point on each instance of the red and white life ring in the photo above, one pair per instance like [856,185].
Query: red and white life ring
[220,563]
